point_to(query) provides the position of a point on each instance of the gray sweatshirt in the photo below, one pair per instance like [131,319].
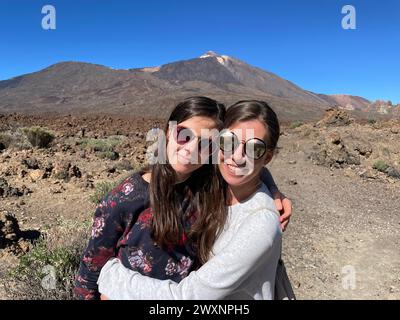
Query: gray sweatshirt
[242,266]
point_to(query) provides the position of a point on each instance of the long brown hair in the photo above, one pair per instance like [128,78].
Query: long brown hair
[205,189]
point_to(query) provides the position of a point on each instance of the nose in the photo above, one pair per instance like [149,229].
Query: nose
[190,147]
[238,155]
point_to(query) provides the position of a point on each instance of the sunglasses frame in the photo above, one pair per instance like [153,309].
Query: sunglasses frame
[200,148]
[239,143]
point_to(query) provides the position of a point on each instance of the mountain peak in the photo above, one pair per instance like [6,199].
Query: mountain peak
[210,54]
[222,59]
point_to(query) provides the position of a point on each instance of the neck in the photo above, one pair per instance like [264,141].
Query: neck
[240,193]
[181,177]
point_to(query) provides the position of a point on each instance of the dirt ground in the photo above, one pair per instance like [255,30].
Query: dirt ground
[341,225]
[343,239]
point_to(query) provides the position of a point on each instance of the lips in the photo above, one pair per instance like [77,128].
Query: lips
[184,160]
[234,170]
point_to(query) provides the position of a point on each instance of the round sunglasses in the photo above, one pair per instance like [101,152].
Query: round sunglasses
[253,148]
[183,135]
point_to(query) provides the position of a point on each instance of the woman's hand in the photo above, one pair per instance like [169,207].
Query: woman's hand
[284,207]
[103,297]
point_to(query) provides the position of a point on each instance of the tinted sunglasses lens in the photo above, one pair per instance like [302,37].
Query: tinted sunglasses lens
[255,149]
[183,135]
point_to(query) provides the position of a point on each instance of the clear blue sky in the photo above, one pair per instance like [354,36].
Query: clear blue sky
[302,41]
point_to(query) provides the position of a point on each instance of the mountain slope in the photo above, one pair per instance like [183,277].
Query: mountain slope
[223,71]
[76,87]
[347,102]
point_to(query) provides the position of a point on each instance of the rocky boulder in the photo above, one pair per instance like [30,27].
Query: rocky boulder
[333,152]
[334,117]
[7,191]
[9,229]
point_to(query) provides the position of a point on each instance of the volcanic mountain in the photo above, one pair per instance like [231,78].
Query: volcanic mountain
[76,88]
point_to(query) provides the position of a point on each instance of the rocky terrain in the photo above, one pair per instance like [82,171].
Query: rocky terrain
[346,208]
[342,175]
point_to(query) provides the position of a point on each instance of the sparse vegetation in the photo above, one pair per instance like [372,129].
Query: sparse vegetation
[48,270]
[371,121]
[124,165]
[5,139]
[101,190]
[100,145]
[296,124]
[16,138]
[38,136]
[110,155]
[35,266]
[381,166]
[104,148]
[62,175]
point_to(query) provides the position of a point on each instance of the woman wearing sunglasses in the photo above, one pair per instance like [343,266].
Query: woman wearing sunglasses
[244,258]
[164,220]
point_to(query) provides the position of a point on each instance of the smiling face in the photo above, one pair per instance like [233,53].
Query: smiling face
[183,144]
[237,168]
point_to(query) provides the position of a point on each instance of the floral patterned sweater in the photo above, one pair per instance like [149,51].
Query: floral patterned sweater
[121,228]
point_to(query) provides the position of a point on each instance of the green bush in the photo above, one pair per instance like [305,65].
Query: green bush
[104,148]
[381,166]
[62,175]
[371,121]
[38,137]
[55,256]
[124,165]
[101,190]
[100,145]
[110,155]
[15,138]
[42,263]
[6,139]
[296,124]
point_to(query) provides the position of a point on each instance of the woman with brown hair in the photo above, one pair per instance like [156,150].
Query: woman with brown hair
[163,222]
[244,258]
